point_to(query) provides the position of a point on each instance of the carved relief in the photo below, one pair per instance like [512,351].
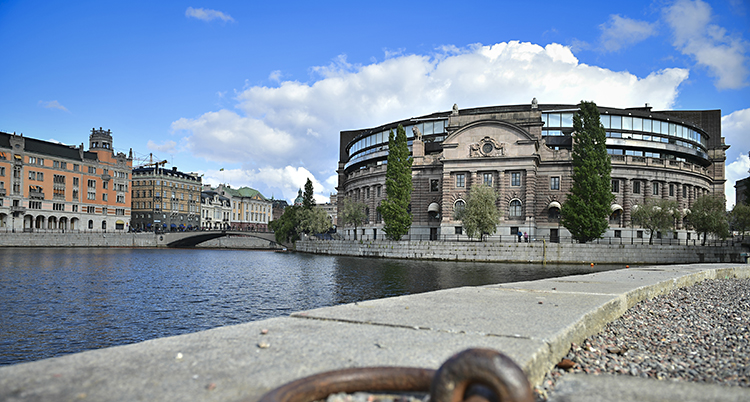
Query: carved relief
[486,147]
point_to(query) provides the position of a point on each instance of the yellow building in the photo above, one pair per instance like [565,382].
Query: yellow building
[46,186]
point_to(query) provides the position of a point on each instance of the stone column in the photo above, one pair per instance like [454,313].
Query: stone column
[626,201]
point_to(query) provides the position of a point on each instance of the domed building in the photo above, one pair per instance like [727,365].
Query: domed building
[524,153]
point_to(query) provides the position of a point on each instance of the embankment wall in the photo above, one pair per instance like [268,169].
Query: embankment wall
[119,240]
[537,252]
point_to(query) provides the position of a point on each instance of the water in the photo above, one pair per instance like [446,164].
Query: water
[57,301]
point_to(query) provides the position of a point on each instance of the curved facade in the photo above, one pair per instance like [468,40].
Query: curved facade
[524,153]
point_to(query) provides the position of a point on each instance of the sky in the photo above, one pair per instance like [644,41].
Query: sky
[255,93]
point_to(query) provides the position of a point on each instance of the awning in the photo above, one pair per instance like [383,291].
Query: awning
[616,207]
[554,204]
[434,207]
[173,225]
[148,225]
[120,222]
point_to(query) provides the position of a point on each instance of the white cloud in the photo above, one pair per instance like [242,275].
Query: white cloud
[169,147]
[281,183]
[620,32]
[207,14]
[708,44]
[736,170]
[53,105]
[275,128]
[735,128]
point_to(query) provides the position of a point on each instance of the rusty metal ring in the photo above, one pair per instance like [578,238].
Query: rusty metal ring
[373,379]
[485,367]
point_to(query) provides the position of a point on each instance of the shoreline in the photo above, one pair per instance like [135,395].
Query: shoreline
[244,361]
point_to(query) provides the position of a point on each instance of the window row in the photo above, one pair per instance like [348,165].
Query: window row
[426,128]
[642,187]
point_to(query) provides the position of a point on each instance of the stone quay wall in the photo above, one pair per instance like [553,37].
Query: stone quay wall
[535,252]
[97,239]
[77,240]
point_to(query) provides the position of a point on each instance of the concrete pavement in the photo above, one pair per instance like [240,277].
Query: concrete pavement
[532,322]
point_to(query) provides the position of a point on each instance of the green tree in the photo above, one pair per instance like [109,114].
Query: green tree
[314,220]
[308,201]
[585,211]
[352,213]
[480,215]
[395,208]
[286,228]
[708,216]
[740,216]
[656,215]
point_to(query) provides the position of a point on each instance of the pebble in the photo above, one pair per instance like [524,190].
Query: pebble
[700,333]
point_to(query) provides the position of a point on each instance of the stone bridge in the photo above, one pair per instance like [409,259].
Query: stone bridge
[190,239]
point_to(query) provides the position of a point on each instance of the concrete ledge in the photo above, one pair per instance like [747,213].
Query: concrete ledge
[532,322]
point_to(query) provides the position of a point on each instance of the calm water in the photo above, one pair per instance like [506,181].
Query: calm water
[60,301]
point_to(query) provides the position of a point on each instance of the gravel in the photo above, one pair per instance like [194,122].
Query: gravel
[699,333]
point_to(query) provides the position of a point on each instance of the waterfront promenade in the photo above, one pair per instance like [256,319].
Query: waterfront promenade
[532,322]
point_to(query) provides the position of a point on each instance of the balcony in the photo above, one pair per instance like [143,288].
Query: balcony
[36,195]
[17,209]
[662,163]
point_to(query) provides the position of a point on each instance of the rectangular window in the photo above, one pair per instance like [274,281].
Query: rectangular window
[105,185]
[459,230]
[91,183]
[55,164]
[35,205]
[32,175]
[76,167]
[40,176]
[671,190]
[487,179]
[515,179]
[90,210]
[655,189]
[75,208]
[91,195]
[618,233]
[636,187]
[58,207]
[92,170]
[554,183]
[63,165]
[684,191]
[434,185]
[460,180]
[639,234]
[615,186]
[2,170]
[368,192]
[75,181]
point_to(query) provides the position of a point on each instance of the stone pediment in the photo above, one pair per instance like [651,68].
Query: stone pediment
[489,139]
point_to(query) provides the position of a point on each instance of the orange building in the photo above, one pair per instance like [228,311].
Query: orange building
[46,186]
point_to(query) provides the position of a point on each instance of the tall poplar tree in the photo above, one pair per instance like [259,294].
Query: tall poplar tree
[308,201]
[395,208]
[585,211]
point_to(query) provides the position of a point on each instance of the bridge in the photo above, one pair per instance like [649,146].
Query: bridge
[190,239]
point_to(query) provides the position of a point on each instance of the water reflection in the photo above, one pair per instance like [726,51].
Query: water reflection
[59,301]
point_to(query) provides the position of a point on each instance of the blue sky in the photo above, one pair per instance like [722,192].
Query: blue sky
[262,89]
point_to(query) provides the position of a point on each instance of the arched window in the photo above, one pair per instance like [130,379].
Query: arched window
[516,210]
[104,225]
[91,224]
[554,213]
[459,206]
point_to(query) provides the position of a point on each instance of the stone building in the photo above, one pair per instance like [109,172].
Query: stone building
[250,209]
[216,210]
[524,153]
[46,186]
[165,200]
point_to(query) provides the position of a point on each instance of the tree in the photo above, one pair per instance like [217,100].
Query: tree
[656,215]
[585,211]
[395,208]
[286,228]
[314,220]
[740,216]
[307,199]
[708,216]
[480,215]
[352,213]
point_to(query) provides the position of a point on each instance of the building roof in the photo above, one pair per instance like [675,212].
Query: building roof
[245,192]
